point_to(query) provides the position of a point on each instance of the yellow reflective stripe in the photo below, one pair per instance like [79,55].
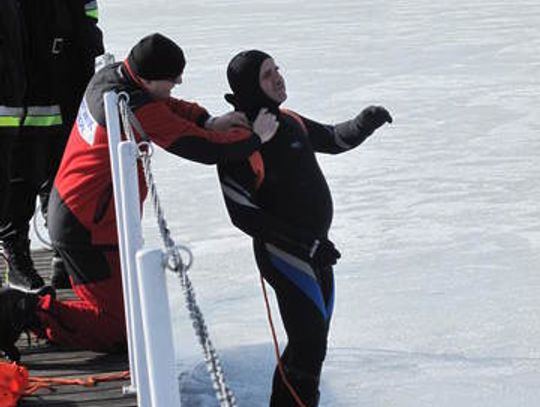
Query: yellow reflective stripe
[10,121]
[43,121]
[92,13]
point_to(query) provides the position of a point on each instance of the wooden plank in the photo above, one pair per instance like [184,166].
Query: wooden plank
[43,359]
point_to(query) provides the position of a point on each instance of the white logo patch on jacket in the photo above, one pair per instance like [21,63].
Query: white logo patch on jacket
[86,123]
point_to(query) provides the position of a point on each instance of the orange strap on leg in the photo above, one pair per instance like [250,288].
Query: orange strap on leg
[276,348]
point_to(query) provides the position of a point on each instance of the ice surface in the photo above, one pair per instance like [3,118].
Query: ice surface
[437,215]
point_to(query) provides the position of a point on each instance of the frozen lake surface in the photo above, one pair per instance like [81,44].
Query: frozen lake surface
[437,215]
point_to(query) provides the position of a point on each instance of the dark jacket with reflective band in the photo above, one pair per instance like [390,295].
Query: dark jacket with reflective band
[78,42]
[42,45]
[293,205]
[81,209]
[12,67]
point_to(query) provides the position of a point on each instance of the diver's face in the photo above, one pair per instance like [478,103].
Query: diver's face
[271,81]
[161,89]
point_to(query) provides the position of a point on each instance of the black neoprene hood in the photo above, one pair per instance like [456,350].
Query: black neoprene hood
[243,76]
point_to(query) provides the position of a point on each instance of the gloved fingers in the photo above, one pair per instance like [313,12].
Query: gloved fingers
[384,115]
[374,117]
[378,115]
[331,261]
[326,254]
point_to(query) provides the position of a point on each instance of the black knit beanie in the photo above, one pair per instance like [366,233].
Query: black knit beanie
[157,57]
[243,76]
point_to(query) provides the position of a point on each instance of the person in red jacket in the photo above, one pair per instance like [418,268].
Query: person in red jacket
[82,222]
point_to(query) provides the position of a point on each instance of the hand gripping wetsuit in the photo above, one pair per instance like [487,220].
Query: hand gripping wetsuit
[82,222]
[291,208]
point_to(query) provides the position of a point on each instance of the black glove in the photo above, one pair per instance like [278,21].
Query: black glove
[371,118]
[323,253]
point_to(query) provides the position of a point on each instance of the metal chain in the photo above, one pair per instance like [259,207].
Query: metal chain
[174,261]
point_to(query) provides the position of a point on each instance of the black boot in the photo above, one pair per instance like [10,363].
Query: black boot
[60,277]
[21,271]
[17,314]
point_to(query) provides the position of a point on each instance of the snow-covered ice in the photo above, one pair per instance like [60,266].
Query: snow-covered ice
[437,215]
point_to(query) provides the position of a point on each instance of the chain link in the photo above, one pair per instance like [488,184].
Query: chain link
[173,259]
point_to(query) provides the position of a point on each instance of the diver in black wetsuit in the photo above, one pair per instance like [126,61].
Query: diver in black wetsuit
[280,197]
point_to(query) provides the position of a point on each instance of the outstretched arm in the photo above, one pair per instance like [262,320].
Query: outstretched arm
[346,135]
[178,127]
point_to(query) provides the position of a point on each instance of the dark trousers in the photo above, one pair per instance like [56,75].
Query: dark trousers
[31,168]
[6,147]
[305,297]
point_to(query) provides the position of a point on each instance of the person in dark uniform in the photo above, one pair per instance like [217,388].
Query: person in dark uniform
[57,45]
[281,199]
[12,90]
[79,41]
[82,221]
[13,85]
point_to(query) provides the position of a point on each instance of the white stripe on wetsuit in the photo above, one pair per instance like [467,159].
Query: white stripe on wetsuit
[340,142]
[236,193]
[294,261]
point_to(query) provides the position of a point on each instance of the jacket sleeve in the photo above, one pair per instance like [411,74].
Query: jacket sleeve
[334,139]
[84,43]
[237,185]
[76,41]
[179,131]
[92,37]
[12,73]
[188,110]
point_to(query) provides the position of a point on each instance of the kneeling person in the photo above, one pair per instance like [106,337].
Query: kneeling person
[82,222]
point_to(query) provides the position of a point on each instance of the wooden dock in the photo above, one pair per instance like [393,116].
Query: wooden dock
[45,360]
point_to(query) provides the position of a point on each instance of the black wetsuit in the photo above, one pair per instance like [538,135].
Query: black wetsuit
[288,212]
[291,208]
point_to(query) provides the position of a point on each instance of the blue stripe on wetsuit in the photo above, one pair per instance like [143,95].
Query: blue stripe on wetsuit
[331,300]
[306,284]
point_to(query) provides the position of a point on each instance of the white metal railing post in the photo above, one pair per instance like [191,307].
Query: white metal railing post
[150,340]
[131,214]
[123,157]
[157,330]
[113,129]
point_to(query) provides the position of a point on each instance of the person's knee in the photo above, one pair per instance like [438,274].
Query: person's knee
[307,355]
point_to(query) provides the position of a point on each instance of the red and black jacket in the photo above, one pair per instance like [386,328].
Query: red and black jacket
[81,209]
